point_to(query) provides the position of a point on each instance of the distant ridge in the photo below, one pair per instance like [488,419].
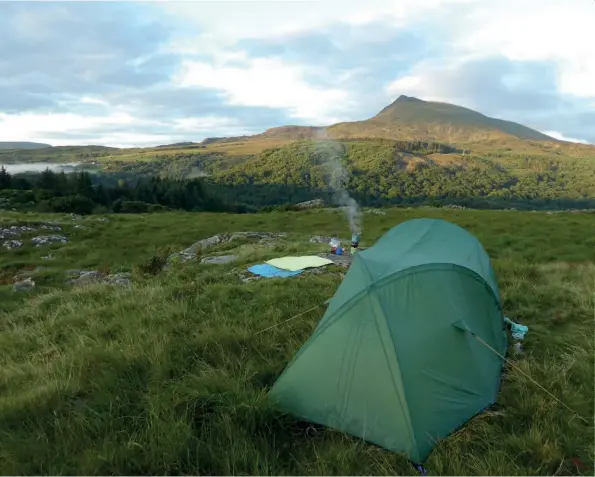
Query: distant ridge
[178,144]
[410,118]
[23,145]
[406,119]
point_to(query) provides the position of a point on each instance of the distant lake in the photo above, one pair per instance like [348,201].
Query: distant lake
[39,167]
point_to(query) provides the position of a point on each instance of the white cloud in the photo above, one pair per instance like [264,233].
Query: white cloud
[21,127]
[267,82]
[561,137]
[539,30]
[426,82]
[93,100]
[204,123]
[414,85]
[221,24]
[120,139]
[116,129]
[531,30]
[265,19]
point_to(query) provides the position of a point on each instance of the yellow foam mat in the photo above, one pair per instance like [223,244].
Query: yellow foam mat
[294,264]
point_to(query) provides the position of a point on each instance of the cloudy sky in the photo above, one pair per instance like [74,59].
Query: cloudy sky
[148,73]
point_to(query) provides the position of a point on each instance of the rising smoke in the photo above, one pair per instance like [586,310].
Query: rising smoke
[331,152]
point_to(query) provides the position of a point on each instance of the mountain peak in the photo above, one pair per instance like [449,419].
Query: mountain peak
[407,99]
[416,119]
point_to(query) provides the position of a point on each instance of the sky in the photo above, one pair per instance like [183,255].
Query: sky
[148,73]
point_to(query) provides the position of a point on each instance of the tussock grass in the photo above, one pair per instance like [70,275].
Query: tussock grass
[170,375]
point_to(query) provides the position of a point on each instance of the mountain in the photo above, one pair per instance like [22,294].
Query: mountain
[23,145]
[410,118]
[406,119]
[411,152]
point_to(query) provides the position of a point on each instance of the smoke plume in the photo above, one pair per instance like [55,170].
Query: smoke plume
[331,152]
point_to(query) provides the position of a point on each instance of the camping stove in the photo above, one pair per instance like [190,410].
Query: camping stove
[354,243]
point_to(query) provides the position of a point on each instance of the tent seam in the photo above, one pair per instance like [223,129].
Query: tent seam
[389,278]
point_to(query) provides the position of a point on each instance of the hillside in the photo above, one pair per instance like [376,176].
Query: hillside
[379,172]
[167,372]
[412,119]
[22,145]
[406,119]
[61,154]
[446,122]
[388,172]
[411,152]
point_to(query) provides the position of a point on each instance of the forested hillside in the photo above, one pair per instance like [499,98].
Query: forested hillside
[383,172]
[380,172]
[411,152]
[84,193]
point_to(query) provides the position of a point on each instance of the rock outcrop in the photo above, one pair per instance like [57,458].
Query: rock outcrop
[311,204]
[23,285]
[48,239]
[82,277]
[119,279]
[375,211]
[14,231]
[11,244]
[219,260]
[52,227]
[198,247]
[320,239]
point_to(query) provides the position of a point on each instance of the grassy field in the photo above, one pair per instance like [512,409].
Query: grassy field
[168,376]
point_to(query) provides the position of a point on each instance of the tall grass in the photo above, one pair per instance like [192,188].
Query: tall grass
[170,375]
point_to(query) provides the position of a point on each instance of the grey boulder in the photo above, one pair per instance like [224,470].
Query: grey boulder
[220,260]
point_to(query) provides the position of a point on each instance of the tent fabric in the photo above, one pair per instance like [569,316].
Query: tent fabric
[394,360]
[268,271]
[299,263]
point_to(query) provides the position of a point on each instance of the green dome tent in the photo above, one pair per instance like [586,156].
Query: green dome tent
[395,359]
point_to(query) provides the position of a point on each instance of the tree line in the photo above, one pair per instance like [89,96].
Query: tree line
[85,193]
[381,173]
[376,173]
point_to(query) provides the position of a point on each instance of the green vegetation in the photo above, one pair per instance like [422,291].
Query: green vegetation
[60,154]
[389,172]
[381,172]
[169,376]
[76,193]
[413,152]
